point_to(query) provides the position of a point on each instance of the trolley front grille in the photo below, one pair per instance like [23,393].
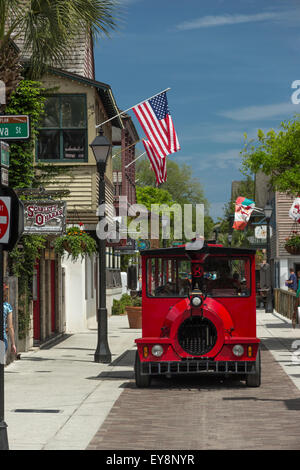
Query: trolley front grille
[198,366]
[197,335]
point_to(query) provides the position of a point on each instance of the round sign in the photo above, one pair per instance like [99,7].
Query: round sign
[4,219]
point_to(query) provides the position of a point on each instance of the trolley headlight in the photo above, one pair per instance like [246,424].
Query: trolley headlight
[196,301]
[238,350]
[157,350]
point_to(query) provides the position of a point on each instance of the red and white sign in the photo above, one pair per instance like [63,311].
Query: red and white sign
[5,205]
[44,216]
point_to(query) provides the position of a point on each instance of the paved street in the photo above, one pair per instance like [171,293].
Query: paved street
[208,413]
[58,398]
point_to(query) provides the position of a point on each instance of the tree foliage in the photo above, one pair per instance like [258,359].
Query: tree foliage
[49,27]
[28,100]
[183,187]
[149,195]
[277,155]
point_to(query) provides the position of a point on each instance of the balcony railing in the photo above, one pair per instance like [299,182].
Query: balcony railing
[285,302]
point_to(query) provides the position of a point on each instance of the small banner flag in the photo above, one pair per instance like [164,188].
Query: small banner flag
[159,165]
[294,211]
[243,211]
[155,118]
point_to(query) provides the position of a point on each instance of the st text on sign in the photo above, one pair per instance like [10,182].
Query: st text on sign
[5,204]
[14,127]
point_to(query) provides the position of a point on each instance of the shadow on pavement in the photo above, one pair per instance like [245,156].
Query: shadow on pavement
[292,404]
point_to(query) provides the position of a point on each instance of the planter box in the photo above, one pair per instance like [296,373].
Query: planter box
[134,316]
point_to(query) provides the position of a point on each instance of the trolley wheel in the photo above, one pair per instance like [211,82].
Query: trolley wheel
[254,380]
[142,381]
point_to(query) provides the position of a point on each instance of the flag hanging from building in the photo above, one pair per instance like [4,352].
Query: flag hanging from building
[243,211]
[294,211]
[155,118]
[159,165]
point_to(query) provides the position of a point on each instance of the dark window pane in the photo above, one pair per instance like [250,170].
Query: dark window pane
[48,145]
[74,144]
[51,116]
[73,111]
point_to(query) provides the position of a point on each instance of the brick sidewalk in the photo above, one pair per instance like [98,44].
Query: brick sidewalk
[205,413]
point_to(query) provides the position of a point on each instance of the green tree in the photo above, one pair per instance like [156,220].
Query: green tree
[48,28]
[277,155]
[239,238]
[149,195]
[183,187]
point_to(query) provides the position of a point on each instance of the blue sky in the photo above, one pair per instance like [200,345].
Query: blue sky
[229,63]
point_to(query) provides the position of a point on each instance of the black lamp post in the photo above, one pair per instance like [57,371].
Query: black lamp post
[101,148]
[268,214]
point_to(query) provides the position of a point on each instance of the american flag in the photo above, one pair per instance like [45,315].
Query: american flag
[155,119]
[159,165]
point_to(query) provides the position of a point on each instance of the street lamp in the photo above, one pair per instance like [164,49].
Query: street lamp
[101,148]
[268,214]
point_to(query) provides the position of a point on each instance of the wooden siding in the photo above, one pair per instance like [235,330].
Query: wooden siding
[284,224]
[78,59]
[82,203]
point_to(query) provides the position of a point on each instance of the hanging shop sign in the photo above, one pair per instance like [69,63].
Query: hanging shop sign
[261,232]
[47,217]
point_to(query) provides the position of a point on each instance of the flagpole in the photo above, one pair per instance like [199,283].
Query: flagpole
[123,150]
[126,166]
[123,112]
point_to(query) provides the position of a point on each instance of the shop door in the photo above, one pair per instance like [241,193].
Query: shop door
[53,297]
[36,303]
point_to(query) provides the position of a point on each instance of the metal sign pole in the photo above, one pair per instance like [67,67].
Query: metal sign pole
[3,425]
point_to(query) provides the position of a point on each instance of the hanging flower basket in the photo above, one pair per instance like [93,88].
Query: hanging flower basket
[77,243]
[292,244]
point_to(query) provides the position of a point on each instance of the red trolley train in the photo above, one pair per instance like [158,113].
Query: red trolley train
[198,313]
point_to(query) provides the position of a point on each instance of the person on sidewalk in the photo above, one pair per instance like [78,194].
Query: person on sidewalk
[295,318]
[8,321]
[292,281]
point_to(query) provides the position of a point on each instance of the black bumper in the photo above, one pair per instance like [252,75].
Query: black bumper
[196,367]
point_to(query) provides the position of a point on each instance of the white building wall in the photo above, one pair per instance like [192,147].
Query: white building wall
[75,305]
[284,272]
[81,294]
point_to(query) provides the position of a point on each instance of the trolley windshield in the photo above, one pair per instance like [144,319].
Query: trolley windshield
[222,276]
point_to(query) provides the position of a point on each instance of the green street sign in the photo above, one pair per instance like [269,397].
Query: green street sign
[4,148]
[14,127]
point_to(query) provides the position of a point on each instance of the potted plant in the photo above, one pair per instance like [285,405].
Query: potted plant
[292,244]
[134,313]
[77,243]
[118,307]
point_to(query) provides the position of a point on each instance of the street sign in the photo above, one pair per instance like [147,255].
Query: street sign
[4,147]
[4,176]
[5,205]
[14,127]
[16,218]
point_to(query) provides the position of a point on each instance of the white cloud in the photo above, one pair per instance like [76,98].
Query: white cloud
[215,161]
[261,112]
[221,20]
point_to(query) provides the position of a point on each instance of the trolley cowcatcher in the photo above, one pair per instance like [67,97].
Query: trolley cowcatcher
[198,314]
